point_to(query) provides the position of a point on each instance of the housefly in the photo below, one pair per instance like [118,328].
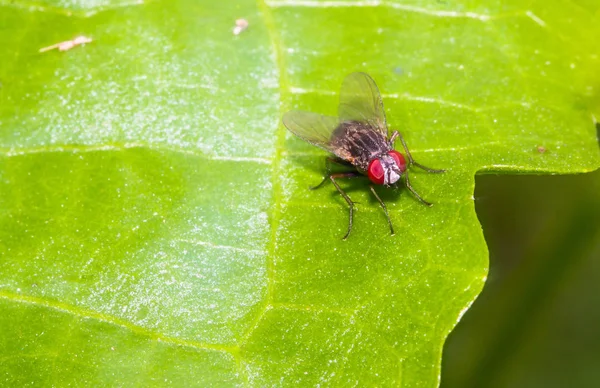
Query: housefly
[358,139]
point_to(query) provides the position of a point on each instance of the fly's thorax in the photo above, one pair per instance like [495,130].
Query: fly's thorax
[357,142]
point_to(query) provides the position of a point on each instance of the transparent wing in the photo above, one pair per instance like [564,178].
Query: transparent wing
[360,101]
[314,128]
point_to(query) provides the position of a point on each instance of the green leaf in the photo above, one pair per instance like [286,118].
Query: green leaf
[156,226]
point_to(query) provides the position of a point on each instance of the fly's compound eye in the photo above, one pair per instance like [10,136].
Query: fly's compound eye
[399,158]
[375,172]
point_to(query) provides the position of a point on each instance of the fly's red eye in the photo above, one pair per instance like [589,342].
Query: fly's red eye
[375,172]
[399,158]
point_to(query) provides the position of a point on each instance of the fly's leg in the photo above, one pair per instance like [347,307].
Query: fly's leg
[411,161]
[384,209]
[393,138]
[409,187]
[328,162]
[333,177]
[322,182]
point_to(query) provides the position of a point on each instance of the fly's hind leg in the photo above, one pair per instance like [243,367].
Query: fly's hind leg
[328,161]
[384,209]
[411,161]
[333,177]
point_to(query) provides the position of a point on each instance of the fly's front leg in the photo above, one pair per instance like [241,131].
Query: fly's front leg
[411,161]
[333,177]
[328,162]
[384,209]
[409,187]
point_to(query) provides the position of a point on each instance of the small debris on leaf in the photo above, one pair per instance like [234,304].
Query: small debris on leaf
[240,26]
[541,149]
[68,44]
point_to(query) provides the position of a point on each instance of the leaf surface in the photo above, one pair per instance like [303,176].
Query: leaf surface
[156,226]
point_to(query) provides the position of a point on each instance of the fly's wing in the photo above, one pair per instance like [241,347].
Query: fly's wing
[360,101]
[311,127]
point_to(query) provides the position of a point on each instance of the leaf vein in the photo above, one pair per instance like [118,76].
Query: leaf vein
[112,320]
[35,7]
[379,3]
[220,247]
[73,148]
[279,61]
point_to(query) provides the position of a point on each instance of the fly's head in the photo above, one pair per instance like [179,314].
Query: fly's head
[387,168]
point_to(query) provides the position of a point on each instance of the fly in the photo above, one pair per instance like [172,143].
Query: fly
[358,138]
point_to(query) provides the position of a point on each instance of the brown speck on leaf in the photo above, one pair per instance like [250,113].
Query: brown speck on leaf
[240,26]
[541,149]
[68,44]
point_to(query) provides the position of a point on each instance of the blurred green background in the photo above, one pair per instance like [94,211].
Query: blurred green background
[537,321]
